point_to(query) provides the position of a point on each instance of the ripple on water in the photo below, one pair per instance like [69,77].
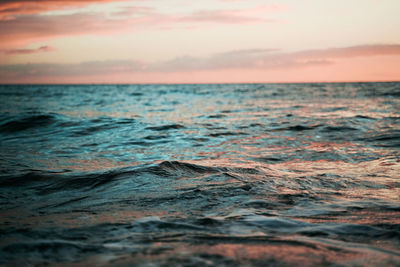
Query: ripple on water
[230,174]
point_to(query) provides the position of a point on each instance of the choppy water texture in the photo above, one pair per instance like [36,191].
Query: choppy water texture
[187,175]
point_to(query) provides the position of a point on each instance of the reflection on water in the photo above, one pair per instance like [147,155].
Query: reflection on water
[238,174]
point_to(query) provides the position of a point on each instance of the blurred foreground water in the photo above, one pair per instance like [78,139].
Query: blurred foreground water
[186,175]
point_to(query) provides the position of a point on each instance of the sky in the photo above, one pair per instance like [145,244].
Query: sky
[207,41]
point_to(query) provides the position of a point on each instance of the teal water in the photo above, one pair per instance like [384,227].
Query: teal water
[218,174]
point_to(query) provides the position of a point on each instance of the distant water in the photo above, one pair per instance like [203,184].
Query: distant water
[200,175]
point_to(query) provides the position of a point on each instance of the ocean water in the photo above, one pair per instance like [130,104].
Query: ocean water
[200,175]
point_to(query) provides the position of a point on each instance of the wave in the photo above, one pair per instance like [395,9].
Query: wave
[64,181]
[389,138]
[23,123]
[206,238]
[239,174]
[166,127]
[338,129]
[298,128]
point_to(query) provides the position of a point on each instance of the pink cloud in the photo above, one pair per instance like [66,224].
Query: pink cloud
[274,59]
[26,28]
[11,8]
[353,51]
[234,16]
[135,10]
[30,28]
[320,63]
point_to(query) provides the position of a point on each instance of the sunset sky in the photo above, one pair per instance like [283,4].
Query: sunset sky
[180,41]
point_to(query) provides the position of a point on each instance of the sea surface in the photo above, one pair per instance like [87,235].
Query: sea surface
[200,175]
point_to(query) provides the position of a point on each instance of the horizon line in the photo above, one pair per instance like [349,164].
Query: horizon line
[186,83]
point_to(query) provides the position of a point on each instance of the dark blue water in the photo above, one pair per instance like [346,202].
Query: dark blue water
[200,175]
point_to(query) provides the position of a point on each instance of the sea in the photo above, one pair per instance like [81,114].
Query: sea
[301,174]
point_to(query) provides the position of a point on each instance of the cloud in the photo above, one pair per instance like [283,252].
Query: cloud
[254,59]
[11,8]
[353,51]
[21,71]
[234,16]
[274,59]
[251,58]
[135,10]
[27,28]
[27,51]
